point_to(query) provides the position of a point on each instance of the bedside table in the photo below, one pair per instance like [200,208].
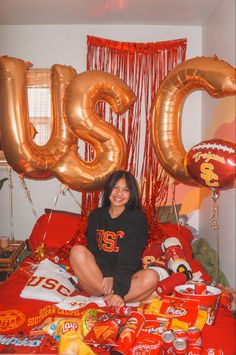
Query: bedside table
[11,257]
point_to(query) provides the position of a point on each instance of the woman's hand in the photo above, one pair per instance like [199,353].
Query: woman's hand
[107,285]
[114,300]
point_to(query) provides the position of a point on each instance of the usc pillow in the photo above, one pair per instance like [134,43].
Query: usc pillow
[49,283]
[58,227]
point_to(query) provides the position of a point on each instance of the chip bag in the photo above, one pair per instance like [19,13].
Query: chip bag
[61,326]
[71,344]
[103,333]
[89,319]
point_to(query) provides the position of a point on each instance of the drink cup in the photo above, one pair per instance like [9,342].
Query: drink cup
[4,242]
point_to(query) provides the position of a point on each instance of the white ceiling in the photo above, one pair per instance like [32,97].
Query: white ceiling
[132,12]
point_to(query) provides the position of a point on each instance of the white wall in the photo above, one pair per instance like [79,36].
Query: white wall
[219,39]
[48,45]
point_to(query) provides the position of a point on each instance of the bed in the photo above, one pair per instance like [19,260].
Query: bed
[22,319]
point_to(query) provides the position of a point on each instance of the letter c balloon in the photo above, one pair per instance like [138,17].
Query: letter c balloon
[215,76]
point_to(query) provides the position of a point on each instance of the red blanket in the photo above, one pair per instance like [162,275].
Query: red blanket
[21,315]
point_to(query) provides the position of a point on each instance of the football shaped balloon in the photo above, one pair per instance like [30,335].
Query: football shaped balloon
[212,163]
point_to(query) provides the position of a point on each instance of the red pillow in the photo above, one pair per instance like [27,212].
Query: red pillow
[55,228]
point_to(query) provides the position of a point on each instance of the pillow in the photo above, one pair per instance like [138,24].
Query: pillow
[49,283]
[58,227]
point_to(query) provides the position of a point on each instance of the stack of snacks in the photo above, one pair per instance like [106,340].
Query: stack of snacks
[70,332]
[182,313]
[163,326]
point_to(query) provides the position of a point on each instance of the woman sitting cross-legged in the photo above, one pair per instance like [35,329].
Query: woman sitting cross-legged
[111,264]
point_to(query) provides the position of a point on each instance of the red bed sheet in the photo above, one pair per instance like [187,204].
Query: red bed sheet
[21,315]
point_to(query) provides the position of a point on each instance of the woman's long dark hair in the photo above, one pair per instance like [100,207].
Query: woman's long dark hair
[131,183]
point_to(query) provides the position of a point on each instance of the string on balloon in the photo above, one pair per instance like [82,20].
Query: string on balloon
[173,203]
[214,209]
[27,195]
[215,225]
[10,187]
[41,251]
[61,192]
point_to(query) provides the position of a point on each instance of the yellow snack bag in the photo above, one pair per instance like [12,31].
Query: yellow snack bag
[201,319]
[71,344]
[177,324]
[89,318]
[153,307]
[63,325]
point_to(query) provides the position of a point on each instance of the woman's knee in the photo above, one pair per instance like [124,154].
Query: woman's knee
[151,278]
[78,253]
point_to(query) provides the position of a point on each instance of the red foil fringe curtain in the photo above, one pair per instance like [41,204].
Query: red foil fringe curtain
[142,66]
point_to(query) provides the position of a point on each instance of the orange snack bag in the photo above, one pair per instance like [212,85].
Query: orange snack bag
[103,333]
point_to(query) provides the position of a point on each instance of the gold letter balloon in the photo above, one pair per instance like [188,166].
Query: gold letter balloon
[73,116]
[215,76]
[80,100]
[74,99]
[21,153]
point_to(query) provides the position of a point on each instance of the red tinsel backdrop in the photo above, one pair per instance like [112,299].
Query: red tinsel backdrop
[142,66]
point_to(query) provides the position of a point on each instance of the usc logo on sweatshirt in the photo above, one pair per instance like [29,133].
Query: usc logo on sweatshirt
[108,240]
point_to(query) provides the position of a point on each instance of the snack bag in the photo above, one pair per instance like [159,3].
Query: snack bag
[103,333]
[201,319]
[156,324]
[41,329]
[21,343]
[71,344]
[89,319]
[61,326]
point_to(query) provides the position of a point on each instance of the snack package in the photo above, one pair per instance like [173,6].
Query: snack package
[185,310]
[39,330]
[22,344]
[156,324]
[89,319]
[63,325]
[201,319]
[81,325]
[103,333]
[71,344]
[177,324]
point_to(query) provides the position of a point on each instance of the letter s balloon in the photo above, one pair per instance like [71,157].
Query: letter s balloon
[215,76]
[81,97]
